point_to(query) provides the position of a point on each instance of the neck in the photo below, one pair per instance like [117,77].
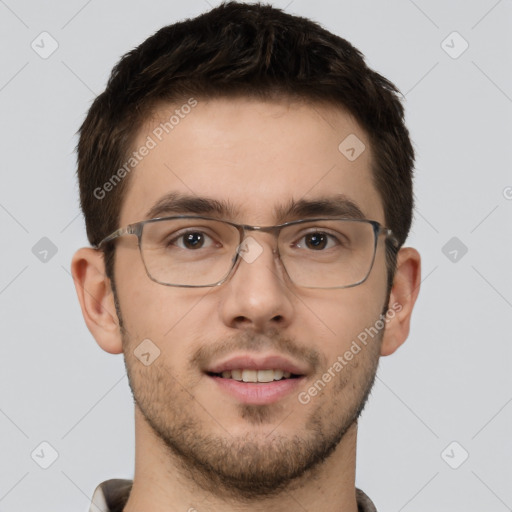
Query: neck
[161,484]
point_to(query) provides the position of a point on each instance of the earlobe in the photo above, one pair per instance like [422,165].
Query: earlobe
[406,285]
[96,298]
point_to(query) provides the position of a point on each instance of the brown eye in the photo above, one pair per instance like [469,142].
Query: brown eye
[316,240]
[193,240]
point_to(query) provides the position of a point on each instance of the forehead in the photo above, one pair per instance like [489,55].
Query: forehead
[256,157]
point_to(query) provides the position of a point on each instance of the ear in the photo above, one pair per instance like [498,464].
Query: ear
[96,298]
[406,286]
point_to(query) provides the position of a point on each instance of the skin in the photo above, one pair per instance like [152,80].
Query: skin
[270,457]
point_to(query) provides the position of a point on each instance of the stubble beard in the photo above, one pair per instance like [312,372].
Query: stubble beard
[250,466]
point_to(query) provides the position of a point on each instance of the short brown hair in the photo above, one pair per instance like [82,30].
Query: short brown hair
[251,50]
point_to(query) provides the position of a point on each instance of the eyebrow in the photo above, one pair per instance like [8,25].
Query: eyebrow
[337,205]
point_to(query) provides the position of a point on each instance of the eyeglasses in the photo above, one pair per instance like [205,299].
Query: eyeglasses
[194,251]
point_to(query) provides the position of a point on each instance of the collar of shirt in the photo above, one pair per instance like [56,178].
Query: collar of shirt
[112,495]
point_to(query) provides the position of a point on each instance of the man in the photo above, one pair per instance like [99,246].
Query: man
[246,182]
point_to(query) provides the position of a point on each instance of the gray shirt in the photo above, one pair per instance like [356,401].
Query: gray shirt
[112,495]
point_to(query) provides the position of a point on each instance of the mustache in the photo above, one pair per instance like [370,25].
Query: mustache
[257,343]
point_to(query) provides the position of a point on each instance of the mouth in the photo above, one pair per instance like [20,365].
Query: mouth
[260,376]
[256,380]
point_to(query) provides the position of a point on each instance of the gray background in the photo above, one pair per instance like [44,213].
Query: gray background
[450,381]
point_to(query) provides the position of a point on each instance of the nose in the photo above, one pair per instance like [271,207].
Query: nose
[258,295]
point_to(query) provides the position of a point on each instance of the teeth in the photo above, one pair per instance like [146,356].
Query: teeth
[265,375]
[256,375]
[278,374]
[235,374]
[250,375]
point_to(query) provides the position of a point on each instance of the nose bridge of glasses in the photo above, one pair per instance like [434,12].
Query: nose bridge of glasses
[255,253]
[272,233]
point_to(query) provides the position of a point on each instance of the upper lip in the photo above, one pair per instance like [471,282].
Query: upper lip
[257,362]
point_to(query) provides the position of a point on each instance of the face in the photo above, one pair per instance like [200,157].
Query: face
[254,437]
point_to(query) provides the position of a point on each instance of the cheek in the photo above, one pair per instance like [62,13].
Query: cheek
[349,313]
[162,312]
[149,309]
[341,316]
[170,317]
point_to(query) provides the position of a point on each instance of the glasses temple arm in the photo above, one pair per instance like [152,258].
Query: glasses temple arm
[116,234]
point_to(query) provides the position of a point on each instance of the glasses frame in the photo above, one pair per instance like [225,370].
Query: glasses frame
[138,227]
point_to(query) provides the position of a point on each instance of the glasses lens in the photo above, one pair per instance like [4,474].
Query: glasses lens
[328,253]
[188,251]
[200,252]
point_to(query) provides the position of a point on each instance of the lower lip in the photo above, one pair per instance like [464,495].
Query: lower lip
[258,393]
